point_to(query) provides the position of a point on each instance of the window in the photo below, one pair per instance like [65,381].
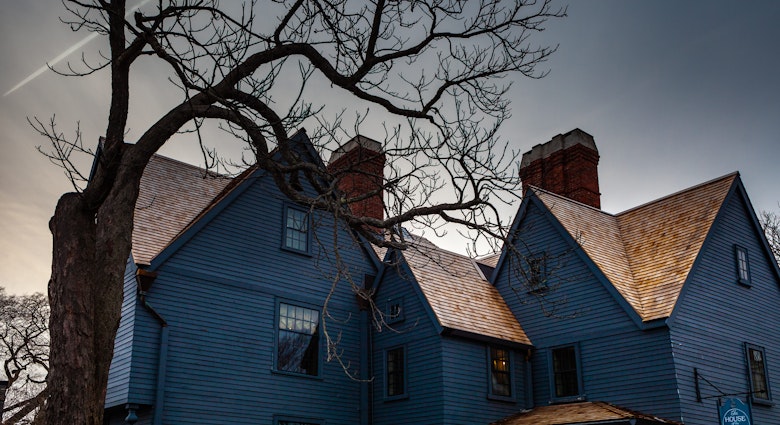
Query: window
[759,382]
[297,343]
[743,265]
[296,229]
[394,311]
[566,381]
[537,274]
[395,376]
[288,420]
[500,372]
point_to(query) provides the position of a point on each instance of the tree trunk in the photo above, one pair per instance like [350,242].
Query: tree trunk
[85,292]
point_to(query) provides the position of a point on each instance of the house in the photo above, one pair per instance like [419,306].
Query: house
[650,316]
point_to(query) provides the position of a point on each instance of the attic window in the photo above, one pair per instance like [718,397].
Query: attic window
[537,274]
[743,265]
[394,311]
[296,230]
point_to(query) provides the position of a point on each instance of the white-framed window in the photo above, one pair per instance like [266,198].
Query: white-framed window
[743,265]
[297,230]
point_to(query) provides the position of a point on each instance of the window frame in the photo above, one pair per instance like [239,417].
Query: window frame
[580,396]
[510,373]
[537,273]
[742,265]
[285,229]
[751,382]
[404,373]
[389,317]
[277,315]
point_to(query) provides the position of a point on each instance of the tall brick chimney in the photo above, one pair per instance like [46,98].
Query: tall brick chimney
[566,165]
[362,163]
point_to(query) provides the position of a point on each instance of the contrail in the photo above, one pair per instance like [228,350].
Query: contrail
[67,52]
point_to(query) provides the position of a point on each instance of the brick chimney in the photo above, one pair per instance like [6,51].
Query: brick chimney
[566,165]
[362,163]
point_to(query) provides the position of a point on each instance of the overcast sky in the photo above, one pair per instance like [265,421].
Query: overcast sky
[675,94]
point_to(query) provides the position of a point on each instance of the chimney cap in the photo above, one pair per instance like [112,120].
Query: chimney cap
[355,142]
[558,143]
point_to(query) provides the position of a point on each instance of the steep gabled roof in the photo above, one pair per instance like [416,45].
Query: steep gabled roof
[648,251]
[171,195]
[581,413]
[459,295]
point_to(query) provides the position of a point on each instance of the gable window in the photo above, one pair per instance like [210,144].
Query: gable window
[500,372]
[566,380]
[394,311]
[298,342]
[759,381]
[296,229]
[743,265]
[537,274]
[395,372]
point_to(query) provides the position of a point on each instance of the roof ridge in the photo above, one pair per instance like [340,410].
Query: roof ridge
[208,172]
[559,196]
[680,192]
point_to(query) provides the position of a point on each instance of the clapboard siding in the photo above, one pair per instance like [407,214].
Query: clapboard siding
[466,380]
[121,363]
[418,334]
[716,316]
[621,363]
[218,292]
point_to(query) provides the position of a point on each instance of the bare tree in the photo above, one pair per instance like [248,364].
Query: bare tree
[770,221]
[24,350]
[435,70]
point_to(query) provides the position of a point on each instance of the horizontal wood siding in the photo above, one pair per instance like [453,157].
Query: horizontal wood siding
[466,382]
[417,333]
[621,364]
[219,293]
[119,372]
[716,316]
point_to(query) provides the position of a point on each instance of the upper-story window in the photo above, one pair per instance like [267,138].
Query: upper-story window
[395,372]
[296,229]
[759,382]
[298,342]
[394,311]
[743,265]
[566,377]
[500,372]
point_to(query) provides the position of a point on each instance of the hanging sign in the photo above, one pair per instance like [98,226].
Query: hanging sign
[734,412]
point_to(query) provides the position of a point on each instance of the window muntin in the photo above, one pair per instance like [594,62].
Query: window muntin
[565,375]
[296,230]
[297,344]
[743,265]
[759,381]
[395,372]
[500,372]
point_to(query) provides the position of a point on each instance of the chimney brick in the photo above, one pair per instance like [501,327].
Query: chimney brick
[566,165]
[362,163]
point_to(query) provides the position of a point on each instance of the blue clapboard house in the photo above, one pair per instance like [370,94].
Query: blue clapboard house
[655,315]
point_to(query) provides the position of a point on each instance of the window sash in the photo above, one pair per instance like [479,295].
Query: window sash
[296,235]
[395,372]
[500,372]
[565,373]
[759,383]
[297,345]
[743,264]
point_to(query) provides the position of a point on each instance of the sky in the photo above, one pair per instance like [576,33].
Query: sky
[674,93]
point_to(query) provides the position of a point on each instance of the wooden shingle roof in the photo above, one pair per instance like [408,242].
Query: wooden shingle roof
[171,195]
[645,252]
[581,413]
[459,295]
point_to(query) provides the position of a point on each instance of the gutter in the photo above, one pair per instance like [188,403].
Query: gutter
[145,279]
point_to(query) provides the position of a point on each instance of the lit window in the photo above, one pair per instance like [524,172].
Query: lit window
[298,340]
[296,230]
[500,372]
[743,265]
[395,372]
[566,381]
[759,384]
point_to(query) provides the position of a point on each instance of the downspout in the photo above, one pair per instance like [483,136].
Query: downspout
[145,279]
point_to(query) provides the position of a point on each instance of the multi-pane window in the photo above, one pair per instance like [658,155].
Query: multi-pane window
[298,340]
[537,273]
[500,372]
[296,230]
[565,374]
[743,265]
[395,372]
[759,384]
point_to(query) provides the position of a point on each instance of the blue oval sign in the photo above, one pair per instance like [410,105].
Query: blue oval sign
[734,412]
